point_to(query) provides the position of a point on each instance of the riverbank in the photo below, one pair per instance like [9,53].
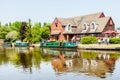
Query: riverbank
[99,46]
[95,46]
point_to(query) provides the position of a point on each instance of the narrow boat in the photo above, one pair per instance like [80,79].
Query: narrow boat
[7,44]
[21,44]
[58,45]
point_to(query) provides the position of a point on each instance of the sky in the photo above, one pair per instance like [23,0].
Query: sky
[47,10]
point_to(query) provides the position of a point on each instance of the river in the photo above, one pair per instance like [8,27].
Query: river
[36,64]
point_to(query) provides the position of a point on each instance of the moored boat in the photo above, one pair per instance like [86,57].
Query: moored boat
[58,45]
[21,44]
[7,44]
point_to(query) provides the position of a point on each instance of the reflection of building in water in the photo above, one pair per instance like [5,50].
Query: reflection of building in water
[103,56]
[69,63]
[93,67]
[91,64]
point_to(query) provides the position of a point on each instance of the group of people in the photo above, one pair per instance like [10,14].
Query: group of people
[103,40]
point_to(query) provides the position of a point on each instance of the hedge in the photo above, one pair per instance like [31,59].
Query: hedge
[115,40]
[88,40]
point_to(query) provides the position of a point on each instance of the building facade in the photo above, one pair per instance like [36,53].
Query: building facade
[76,27]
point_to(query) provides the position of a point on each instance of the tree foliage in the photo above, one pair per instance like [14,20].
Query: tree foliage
[36,32]
[22,31]
[13,35]
[45,33]
[15,25]
[28,36]
[25,31]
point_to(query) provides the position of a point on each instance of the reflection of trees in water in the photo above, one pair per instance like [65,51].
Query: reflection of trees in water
[26,59]
[3,59]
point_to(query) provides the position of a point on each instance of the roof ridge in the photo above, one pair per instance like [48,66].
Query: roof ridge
[80,15]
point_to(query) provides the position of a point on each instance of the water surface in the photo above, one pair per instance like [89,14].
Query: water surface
[36,64]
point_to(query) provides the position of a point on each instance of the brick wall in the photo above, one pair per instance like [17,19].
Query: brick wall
[58,28]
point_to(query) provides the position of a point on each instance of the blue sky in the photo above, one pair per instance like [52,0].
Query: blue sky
[47,10]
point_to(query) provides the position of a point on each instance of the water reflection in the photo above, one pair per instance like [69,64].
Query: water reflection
[90,63]
[23,58]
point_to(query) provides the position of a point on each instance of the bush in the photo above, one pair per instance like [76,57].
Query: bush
[114,40]
[88,40]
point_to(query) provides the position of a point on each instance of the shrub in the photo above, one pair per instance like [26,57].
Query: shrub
[88,40]
[114,40]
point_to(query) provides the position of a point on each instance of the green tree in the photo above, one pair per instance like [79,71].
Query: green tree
[4,30]
[22,31]
[15,25]
[45,33]
[35,32]
[47,25]
[13,35]
[28,31]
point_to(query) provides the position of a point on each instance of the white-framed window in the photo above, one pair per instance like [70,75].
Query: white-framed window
[68,27]
[92,25]
[84,26]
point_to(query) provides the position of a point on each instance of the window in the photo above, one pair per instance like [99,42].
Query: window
[110,27]
[93,26]
[56,25]
[84,26]
[63,26]
[74,26]
[69,27]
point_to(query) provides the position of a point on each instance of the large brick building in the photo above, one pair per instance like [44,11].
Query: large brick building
[91,24]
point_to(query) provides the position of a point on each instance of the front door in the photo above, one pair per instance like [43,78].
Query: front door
[56,37]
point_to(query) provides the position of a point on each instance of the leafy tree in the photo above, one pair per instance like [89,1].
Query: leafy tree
[13,35]
[25,31]
[28,31]
[22,31]
[15,25]
[35,32]
[45,32]
[4,30]
[47,25]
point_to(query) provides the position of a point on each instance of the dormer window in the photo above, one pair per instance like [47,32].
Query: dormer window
[69,27]
[84,26]
[93,26]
